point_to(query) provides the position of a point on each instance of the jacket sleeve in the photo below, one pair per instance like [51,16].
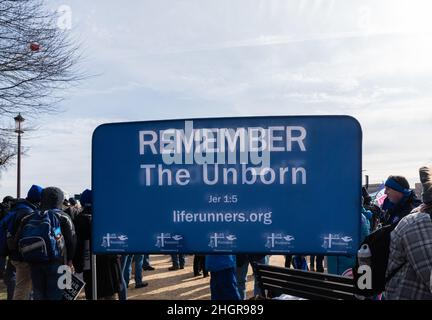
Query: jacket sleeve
[78,257]
[68,231]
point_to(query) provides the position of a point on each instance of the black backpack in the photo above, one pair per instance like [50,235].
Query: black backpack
[379,245]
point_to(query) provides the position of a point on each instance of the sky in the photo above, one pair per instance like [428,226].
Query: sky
[153,60]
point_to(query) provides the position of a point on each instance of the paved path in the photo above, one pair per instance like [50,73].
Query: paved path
[181,284]
[174,285]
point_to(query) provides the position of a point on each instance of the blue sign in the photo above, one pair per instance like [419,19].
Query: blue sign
[254,185]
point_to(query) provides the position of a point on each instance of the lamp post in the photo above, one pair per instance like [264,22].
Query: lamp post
[366,179]
[18,129]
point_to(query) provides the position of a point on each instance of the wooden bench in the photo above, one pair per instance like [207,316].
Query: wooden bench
[274,281]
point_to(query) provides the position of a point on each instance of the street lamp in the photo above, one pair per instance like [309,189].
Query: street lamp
[18,129]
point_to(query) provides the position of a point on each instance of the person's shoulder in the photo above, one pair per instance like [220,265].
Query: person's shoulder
[406,220]
[22,210]
[23,205]
[412,221]
[421,217]
[416,216]
[62,216]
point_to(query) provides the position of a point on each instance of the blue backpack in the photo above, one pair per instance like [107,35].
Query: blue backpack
[40,238]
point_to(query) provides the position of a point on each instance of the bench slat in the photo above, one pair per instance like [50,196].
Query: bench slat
[324,283]
[317,292]
[303,294]
[309,274]
[304,284]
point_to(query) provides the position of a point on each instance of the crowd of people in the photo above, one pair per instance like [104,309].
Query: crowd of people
[33,274]
[408,273]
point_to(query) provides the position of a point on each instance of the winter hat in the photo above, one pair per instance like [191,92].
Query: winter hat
[426,180]
[72,201]
[52,198]
[34,194]
[8,199]
[398,183]
[86,198]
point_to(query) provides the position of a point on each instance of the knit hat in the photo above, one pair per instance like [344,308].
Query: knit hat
[8,199]
[34,194]
[52,198]
[426,180]
[398,183]
[86,198]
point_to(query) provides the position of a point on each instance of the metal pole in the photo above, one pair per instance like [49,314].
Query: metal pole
[94,280]
[19,166]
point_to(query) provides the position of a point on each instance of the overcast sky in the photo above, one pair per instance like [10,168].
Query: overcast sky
[182,59]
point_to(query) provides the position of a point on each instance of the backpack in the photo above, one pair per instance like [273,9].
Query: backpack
[15,216]
[379,245]
[40,238]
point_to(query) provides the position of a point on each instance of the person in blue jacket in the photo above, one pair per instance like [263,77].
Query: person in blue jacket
[340,264]
[400,201]
[223,282]
[21,209]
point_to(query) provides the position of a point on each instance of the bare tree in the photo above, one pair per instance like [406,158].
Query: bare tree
[36,60]
[7,152]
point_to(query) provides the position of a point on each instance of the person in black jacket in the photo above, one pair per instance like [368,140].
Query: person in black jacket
[70,207]
[107,266]
[52,198]
[45,275]
[400,200]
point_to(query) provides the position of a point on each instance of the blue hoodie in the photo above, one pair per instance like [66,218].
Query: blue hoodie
[34,195]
